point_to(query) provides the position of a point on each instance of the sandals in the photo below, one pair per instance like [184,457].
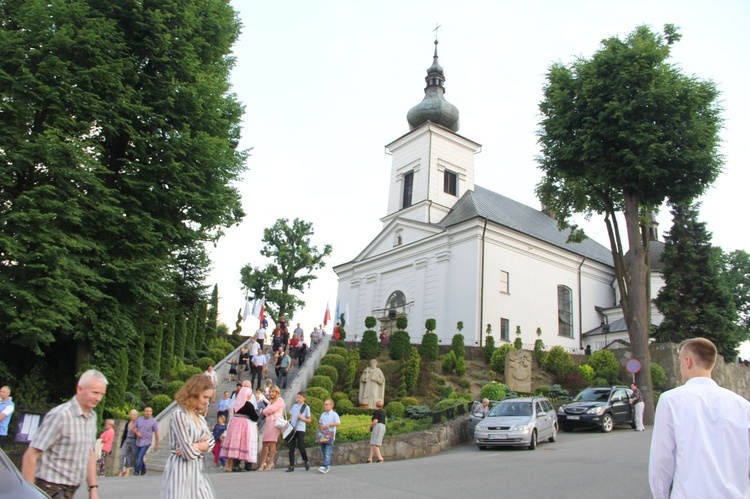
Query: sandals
[369,461]
[262,467]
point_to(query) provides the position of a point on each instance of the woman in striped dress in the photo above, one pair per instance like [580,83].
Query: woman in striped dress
[189,438]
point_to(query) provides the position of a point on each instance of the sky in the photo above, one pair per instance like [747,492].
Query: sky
[326,84]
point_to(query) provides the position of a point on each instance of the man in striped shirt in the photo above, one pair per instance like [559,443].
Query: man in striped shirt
[61,453]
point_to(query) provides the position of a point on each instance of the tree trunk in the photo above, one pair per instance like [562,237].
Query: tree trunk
[638,314]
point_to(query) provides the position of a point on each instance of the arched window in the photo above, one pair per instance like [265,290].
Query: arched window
[564,311]
[396,300]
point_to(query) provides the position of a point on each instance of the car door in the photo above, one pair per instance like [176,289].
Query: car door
[620,406]
[543,423]
[475,416]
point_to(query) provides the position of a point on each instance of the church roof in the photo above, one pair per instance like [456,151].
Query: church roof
[483,203]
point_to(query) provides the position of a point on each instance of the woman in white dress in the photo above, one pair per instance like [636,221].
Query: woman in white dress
[189,439]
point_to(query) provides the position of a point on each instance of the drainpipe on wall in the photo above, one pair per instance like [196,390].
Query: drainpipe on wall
[481,285]
[580,306]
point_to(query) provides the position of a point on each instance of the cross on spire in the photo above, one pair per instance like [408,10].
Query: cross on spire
[437,26]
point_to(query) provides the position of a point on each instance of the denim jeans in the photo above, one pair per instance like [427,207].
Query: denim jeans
[327,451]
[140,466]
[281,380]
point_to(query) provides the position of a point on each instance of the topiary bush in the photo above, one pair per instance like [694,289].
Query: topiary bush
[330,372]
[460,366]
[172,388]
[400,345]
[488,349]
[658,376]
[337,350]
[395,409]
[458,345]
[189,372]
[430,325]
[344,405]
[493,391]
[319,393]
[336,396]
[369,347]
[605,366]
[204,362]
[497,362]
[321,381]
[429,347]
[160,402]
[518,342]
[449,362]
[539,352]
[408,401]
[558,362]
[335,360]
[402,322]
[316,407]
[370,322]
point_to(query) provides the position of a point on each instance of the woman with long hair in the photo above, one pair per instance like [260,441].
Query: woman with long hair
[274,411]
[241,438]
[189,439]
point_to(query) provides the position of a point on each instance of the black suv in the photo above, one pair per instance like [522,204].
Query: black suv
[598,407]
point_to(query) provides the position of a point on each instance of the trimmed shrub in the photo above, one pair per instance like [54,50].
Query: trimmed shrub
[336,396]
[458,345]
[189,372]
[658,376]
[493,391]
[337,361]
[160,402]
[395,409]
[605,365]
[204,362]
[430,324]
[497,362]
[558,362]
[316,407]
[400,345]
[370,322]
[369,347]
[488,349]
[449,362]
[409,401]
[587,372]
[402,322]
[344,405]
[172,388]
[461,366]
[215,353]
[429,347]
[539,353]
[321,381]
[337,350]
[319,392]
[328,371]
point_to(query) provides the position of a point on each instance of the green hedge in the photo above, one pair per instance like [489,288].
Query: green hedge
[160,402]
[429,347]
[493,391]
[318,392]
[335,350]
[395,409]
[400,345]
[321,381]
[328,371]
[335,360]
[458,345]
[369,347]
[497,362]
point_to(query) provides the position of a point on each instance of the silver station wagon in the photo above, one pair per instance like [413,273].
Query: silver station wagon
[520,422]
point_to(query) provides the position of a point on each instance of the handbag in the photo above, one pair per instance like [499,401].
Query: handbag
[288,432]
[280,423]
[324,436]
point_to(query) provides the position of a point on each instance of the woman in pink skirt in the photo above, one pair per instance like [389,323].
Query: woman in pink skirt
[241,438]
[274,411]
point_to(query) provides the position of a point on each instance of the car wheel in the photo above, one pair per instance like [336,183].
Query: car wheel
[566,428]
[532,442]
[553,436]
[607,423]
[482,447]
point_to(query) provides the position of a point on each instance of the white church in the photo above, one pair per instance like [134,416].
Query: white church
[453,251]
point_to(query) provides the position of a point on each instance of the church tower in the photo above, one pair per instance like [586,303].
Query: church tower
[432,165]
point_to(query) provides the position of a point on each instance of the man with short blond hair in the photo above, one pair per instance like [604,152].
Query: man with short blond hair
[700,445]
[61,454]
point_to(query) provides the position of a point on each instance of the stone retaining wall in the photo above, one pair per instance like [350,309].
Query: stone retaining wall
[407,446]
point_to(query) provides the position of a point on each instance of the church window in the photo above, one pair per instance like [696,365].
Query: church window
[504,329]
[408,188]
[450,183]
[564,311]
[397,300]
[504,282]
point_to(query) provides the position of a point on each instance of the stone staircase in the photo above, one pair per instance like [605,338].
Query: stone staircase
[297,380]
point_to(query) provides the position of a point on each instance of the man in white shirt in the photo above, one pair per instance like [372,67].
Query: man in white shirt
[214,380]
[701,444]
[260,335]
[254,347]
[258,361]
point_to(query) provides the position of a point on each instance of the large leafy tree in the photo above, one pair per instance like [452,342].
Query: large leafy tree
[118,150]
[623,132]
[735,273]
[294,261]
[695,299]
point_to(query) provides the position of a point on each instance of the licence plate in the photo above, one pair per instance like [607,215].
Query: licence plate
[501,436]
[574,417]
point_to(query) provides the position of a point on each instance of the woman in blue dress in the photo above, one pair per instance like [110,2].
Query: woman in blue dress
[189,439]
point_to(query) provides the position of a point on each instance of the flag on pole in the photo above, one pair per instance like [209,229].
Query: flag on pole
[346,315]
[327,316]
[338,312]
[259,308]
[246,310]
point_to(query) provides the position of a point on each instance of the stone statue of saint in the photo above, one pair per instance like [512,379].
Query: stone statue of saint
[371,385]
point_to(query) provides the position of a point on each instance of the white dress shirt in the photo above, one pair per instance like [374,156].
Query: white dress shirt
[701,443]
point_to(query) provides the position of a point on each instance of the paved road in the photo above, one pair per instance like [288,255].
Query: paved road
[580,464]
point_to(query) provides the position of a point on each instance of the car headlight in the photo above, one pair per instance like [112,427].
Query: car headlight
[480,428]
[521,427]
[595,410]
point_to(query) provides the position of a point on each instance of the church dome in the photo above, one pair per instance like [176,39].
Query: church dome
[434,107]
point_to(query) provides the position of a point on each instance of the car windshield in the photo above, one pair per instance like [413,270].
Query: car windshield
[593,395]
[512,409]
